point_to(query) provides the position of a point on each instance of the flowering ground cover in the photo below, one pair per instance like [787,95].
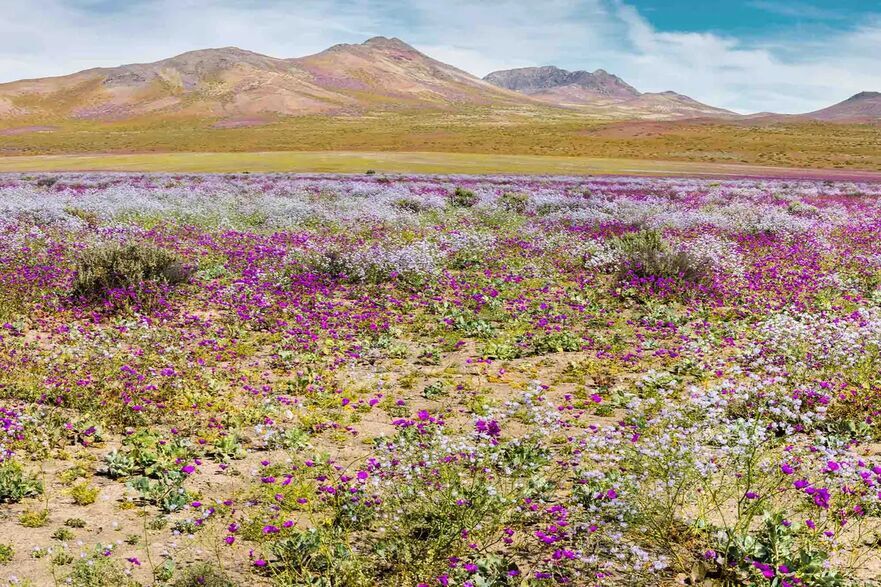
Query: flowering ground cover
[440,381]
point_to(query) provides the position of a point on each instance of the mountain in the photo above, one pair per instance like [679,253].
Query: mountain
[600,93]
[862,107]
[551,81]
[235,84]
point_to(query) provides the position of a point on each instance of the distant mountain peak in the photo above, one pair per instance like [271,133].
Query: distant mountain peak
[600,92]
[381,44]
[536,80]
[864,96]
[387,43]
[865,106]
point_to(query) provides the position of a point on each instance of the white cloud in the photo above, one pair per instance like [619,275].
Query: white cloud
[788,73]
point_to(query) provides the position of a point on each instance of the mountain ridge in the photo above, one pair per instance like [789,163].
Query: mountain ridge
[241,87]
[381,73]
[585,89]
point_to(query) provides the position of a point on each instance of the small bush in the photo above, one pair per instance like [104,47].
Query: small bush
[6,554]
[410,205]
[462,198]
[549,208]
[640,242]
[514,202]
[62,558]
[63,534]
[743,558]
[104,269]
[647,260]
[84,494]
[75,523]
[97,571]
[557,342]
[330,262]
[434,390]
[15,485]
[501,351]
[203,575]
[90,218]
[34,518]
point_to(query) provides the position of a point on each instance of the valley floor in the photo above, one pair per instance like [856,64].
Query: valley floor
[408,162]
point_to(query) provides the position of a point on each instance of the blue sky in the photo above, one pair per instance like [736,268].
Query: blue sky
[751,55]
[753,18]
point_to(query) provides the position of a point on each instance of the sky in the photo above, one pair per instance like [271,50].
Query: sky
[785,56]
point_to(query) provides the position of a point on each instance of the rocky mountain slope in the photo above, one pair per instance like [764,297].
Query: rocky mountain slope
[542,80]
[601,92]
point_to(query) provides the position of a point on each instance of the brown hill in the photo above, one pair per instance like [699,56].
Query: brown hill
[232,83]
[862,107]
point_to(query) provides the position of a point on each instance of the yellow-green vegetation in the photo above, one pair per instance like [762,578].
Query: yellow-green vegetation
[84,494]
[34,518]
[531,132]
[388,162]
[6,554]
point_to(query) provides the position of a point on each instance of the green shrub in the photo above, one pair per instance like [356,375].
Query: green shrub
[501,351]
[514,202]
[34,518]
[90,218]
[645,255]
[203,574]
[331,262]
[462,198]
[434,390]
[97,571]
[640,242]
[62,558]
[84,494]
[6,554]
[741,557]
[549,208]
[557,342]
[103,269]
[15,485]
[312,557]
[63,534]
[410,205]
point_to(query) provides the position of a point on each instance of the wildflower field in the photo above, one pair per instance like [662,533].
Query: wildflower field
[439,381]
